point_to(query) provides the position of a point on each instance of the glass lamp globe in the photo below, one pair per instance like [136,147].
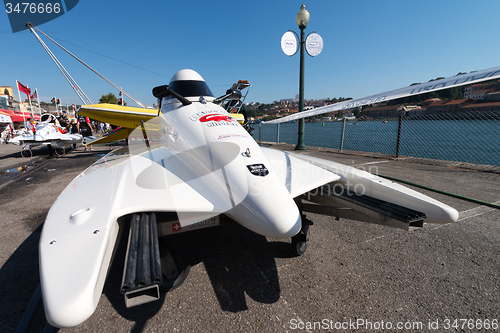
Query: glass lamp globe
[302,17]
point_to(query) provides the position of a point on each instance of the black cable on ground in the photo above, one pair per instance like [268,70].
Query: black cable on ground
[484,203]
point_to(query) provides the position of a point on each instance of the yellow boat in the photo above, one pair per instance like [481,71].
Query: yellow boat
[118,115]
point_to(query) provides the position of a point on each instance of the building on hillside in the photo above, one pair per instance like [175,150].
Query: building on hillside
[479,90]
[382,111]
[492,97]
[430,101]
[481,107]
[8,103]
[390,111]
[480,94]
[452,106]
[467,92]
[458,106]
[7,90]
[415,112]
[7,100]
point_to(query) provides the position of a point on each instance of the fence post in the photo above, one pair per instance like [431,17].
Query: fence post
[260,132]
[399,134]
[278,136]
[342,137]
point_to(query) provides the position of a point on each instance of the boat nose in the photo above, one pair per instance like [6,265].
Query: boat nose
[267,221]
[269,210]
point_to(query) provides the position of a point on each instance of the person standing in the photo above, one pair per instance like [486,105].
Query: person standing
[73,127]
[84,128]
[31,125]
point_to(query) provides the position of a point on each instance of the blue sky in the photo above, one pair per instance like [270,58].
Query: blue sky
[369,46]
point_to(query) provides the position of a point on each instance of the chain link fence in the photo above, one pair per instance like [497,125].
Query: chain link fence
[471,138]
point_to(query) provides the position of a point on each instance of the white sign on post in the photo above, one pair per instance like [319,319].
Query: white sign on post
[289,43]
[314,44]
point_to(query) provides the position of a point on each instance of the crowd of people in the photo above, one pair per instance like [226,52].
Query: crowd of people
[93,126]
[84,126]
[80,125]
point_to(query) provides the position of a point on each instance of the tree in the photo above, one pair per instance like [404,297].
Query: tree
[109,98]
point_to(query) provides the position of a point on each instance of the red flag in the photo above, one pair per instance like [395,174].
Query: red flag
[23,89]
[35,95]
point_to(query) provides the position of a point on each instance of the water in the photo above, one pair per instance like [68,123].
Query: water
[474,141]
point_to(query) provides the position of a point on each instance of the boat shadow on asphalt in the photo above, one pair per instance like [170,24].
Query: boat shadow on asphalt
[237,262]
[19,279]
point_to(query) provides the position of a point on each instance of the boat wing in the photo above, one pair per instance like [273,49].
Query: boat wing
[459,80]
[117,135]
[133,183]
[118,115]
[310,181]
[298,175]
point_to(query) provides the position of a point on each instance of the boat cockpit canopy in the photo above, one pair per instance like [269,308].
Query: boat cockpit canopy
[190,88]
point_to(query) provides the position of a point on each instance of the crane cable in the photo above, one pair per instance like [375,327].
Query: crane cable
[31,27]
[69,78]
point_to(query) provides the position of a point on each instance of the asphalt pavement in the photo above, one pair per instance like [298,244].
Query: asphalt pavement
[354,276]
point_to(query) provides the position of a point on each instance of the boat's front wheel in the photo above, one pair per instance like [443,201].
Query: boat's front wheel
[26,153]
[301,240]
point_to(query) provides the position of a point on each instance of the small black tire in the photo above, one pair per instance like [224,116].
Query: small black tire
[182,265]
[26,153]
[60,151]
[300,241]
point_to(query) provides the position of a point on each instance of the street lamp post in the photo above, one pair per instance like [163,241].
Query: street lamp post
[302,20]
[313,45]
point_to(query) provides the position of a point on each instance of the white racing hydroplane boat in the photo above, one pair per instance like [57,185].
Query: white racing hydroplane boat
[195,162]
[48,132]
